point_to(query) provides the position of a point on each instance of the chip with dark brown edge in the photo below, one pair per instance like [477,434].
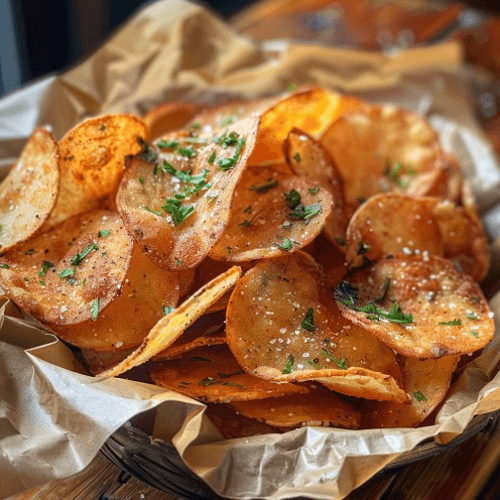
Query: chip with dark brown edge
[209,330]
[168,117]
[166,331]
[318,407]
[427,381]
[92,160]
[379,149]
[307,158]
[176,198]
[212,374]
[85,281]
[419,305]
[283,325]
[271,214]
[29,192]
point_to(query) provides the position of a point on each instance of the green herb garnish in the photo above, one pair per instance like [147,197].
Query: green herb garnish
[474,334]
[455,322]
[66,273]
[4,266]
[104,233]
[94,309]
[305,212]
[167,310]
[153,212]
[314,190]
[291,86]
[473,316]
[292,199]
[77,259]
[342,363]
[212,158]
[308,323]
[313,363]
[31,251]
[419,396]
[288,366]
[286,245]
[164,144]
[141,179]
[178,211]
[228,163]
[296,157]
[189,152]
[45,265]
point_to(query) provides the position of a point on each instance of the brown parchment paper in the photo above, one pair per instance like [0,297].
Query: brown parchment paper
[54,419]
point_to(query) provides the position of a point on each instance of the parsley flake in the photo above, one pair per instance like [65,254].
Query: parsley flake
[159,214]
[314,190]
[164,144]
[141,179]
[288,366]
[66,273]
[178,211]
[188,152]
[419,396]
[94,309]
[45,265]
[291,86]
[474,334]
[4,266]
[104,233]
[292,199]
[473,316]
[228,163]
[308,323]
[305,212]
[77,259]
[212,158]
[313,363]
[296,157]
[342,363]
[455,322]
[167,310]
[286,245]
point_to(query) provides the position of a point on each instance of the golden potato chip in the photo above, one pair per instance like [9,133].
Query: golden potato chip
[307,158]
[380,148]
[389,223]
[169,328]
[92,162]
[168,117]
[310,110]
[283,324]
[419,305]
[96,362]
[427,381]
[212,374]
[232,425]
[29,192]
[209,330]
[318,407]
[175,199]
[85,281]
[271,214]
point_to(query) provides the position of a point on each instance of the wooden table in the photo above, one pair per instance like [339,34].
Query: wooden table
[471,471]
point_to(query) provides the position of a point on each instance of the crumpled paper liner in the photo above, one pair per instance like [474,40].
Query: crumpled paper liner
[54,419]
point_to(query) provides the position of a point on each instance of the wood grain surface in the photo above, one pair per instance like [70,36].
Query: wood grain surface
[471,471]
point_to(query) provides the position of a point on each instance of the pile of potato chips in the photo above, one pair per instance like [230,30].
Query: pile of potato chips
[307,259]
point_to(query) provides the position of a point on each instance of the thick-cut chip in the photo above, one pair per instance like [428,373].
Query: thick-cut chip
[169,116]
[175,199]
[85,281]
[307,158]
[29,192]
[283,324]
[319,407]
[310,110]
[92,162]
[382,148]
[419,305]
[427,381]
[232,425]
[208,330]
[272,214]
[389,223]
[171,327]
[212,374]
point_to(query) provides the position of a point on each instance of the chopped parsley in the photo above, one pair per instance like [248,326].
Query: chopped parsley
[296,157]
[94,309]
[228,140]
[265,186]
[286,245]
[167,310]
[4,266]
[141,179]
[305,212]
[178,211]
[342,363]
[42,282]
[77,259]
[163,144]
[153,212]
[26,279]
[291,86]
[314,190]
[292,199]
[455,322]
[178,262]
[313,363]
[102,127]
[198,182]
[473,316]
[189,152]
[308,323]
[394,173]
[212,158]
[228,163]
[45,265]
[419,396]
[210,199]
[474,334]
[288,366]
[104,233]
[66,273]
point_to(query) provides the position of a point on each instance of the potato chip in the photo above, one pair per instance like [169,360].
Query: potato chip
[175,199]
[29,192]
[271,214]
[315,408]
[329,257]
[307,158]
[169,117]
[419,305]
[389,223]
[92,162]
[310,109]
[283,325]
[212,374]
[427,381]
[209,330]
[380,148]
[96,362]
[169,328]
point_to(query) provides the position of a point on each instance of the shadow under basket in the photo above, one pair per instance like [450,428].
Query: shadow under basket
[158,464]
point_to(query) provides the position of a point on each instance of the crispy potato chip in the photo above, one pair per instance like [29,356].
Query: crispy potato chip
[169,328]
[85,281]
[419,305]
[271,214]
[232,425]
[389,223]
[427,381]
[283,325]
[186,281]
[212,374]
[310,109]
[96,362]
[307,157]
[176,200]
[319,407]
[380,148]
[209,330]
[92,162]
[329,257]
[168,117]
[29,192]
